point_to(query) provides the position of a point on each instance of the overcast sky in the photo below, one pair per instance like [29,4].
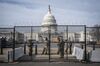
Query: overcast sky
[66,12]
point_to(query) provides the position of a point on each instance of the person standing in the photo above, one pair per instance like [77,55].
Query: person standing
[46,47]
[58,39]
[62,43]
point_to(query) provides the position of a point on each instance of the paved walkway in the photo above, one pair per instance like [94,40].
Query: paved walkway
[44,58]
[49,64]
[29,62]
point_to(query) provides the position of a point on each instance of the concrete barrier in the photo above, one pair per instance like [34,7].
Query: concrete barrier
[19,52]
[95,55]
[78,53]
[3,58]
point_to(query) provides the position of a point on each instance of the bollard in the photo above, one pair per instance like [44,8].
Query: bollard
[1,50]
[35,49]
[82,46]
[70,51]
[94,45]
[1,47]
[30,48]
[8,56]
[25,48]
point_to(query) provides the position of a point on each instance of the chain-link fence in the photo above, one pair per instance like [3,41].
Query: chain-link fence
[70,36]
[93,43]
[6,43]
[49,43]
[45,43]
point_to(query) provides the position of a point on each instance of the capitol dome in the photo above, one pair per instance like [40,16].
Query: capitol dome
[49,20]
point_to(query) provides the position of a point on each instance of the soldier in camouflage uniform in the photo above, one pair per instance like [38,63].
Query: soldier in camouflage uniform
[62,43]
[46,46]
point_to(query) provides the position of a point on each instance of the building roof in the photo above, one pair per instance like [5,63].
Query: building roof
[49,19]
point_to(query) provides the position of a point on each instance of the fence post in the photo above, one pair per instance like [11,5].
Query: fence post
[85,53]
[67,42]
[49,32]
[14,44]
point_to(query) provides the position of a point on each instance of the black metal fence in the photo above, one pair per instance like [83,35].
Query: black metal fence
[93,37]
[32,39]
[30,45]
[6,39]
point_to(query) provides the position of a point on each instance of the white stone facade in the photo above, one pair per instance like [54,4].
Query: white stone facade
[49,23]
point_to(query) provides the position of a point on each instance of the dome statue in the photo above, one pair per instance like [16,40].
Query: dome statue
[49,22]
